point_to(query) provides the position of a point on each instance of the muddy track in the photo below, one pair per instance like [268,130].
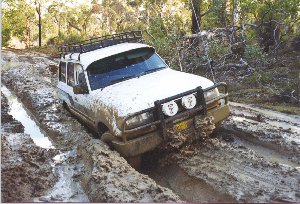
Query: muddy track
[26,170]
[106,176]
[253,158]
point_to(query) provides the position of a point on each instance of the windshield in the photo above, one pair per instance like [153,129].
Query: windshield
[123,66]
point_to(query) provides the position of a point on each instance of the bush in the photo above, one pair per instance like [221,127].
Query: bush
[65,39]
[6,35]
[259,78]
[217,49]
[255,55]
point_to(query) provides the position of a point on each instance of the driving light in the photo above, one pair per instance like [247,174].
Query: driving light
[170,108]
[189,102]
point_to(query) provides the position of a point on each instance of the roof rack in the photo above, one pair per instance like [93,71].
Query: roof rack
[100,42]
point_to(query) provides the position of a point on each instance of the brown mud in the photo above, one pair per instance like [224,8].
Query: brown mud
[254,157]
[26,170]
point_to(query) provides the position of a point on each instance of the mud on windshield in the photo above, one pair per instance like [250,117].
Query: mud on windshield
[123,66]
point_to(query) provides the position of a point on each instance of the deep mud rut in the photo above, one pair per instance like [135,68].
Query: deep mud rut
[26,170]
[254,157]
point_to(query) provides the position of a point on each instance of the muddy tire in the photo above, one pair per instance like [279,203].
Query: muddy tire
[65,105]
[135,162]
[217,127]
[107,138]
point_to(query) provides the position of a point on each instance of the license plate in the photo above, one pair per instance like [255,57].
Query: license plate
[183,125]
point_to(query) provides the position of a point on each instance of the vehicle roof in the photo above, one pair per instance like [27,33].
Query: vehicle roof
[87,58]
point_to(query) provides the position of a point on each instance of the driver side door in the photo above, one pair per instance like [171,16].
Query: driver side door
[79,101]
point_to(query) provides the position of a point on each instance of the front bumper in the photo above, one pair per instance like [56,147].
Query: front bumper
[138,145]
[151,140]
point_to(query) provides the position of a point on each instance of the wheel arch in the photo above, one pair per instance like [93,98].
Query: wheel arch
[101,128]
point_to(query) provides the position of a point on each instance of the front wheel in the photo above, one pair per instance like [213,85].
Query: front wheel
[65,105]
[107,138]
[217,127]
[135,162]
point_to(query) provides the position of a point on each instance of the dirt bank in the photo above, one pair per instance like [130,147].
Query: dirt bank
[26,170]
[107,175]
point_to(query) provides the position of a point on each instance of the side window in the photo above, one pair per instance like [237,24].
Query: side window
[70,71]
[77,70]
[62,72]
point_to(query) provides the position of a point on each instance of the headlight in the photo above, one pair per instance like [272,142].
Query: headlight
[170,108]
[189,102]
[139,120]
[210,95]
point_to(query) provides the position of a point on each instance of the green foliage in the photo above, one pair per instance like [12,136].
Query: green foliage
[6,32]
[217,48]
[254,54]
[19,18]
[72,38]
[65,21]
[258,79]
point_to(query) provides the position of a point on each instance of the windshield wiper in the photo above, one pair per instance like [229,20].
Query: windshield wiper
[151,70]
[121,79]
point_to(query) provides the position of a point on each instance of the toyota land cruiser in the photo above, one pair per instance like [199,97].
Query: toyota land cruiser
[121,88]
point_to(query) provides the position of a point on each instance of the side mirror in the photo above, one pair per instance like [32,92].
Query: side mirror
[79,89]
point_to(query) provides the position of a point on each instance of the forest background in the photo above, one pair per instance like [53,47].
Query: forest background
[253,45]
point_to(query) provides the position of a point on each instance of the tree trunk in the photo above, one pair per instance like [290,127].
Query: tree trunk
[40,30]
[221,13]
[38,10]
[59,31]
[235,15]
[196,20]
[234,18]
[74,26]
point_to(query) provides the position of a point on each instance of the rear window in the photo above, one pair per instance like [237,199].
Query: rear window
[62,72]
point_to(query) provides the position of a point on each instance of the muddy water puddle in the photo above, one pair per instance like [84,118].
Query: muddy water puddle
[18,111]
[67,188]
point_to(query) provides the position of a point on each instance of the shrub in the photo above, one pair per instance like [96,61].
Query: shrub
[255,55]
[259,78]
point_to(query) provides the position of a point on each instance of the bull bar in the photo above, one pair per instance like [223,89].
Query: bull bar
[161,121]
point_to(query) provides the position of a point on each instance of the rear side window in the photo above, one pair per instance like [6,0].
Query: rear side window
[62,72]
[70,71]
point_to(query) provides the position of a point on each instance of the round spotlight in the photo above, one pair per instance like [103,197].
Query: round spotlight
[189,102]
[170,108]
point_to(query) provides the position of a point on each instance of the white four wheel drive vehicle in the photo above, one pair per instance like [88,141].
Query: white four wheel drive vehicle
[123,90]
